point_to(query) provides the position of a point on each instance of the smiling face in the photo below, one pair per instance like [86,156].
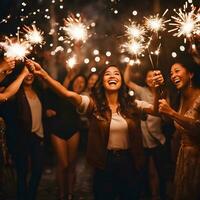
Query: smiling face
[112,79]
[79,84]
[149,79]
[92,80]
[28,79]
[180,76]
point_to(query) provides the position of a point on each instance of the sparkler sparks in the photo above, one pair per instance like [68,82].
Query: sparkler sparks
[33,35]
[134,47]
[16,50]
[71,61]
[75,29]
[155,23]
[186,23]
[135,31]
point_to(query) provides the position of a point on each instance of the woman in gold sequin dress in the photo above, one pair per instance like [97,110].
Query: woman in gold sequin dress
[185,75]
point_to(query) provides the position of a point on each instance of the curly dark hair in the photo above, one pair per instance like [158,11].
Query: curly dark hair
[187,61]
[126,102]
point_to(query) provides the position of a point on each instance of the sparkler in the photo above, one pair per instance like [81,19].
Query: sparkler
[186,23]
[155,23]
[33,35]
[75,29]
[136,40]
[16,50]
[134,31]
[134,47]
[72,61]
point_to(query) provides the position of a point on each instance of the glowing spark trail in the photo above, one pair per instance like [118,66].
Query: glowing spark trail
[155,23]
[16,50]
[134,47]
[72,61]
[134,31]
[33,35]
[75,29]
[185,23]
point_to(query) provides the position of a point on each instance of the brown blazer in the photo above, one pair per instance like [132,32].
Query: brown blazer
[99,134]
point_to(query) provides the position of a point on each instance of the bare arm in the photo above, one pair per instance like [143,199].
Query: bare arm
[55,85]
[185,122]
[128,81]
[13,87]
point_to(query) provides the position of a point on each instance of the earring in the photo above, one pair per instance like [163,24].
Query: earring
[190,84]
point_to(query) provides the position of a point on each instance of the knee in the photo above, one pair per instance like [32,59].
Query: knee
[63,165]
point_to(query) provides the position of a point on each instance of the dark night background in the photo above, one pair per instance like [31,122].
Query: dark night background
[109,29]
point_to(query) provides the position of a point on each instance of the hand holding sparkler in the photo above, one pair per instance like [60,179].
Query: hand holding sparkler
[7,65]
[35,68]
[158,79]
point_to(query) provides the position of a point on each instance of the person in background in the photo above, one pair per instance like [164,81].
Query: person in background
[64,126]
[153,138]
[23,115]
[91,80]
[114,141]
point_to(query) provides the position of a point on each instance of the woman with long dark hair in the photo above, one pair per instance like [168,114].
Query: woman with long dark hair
[114,141]
[24,116]
[185,76]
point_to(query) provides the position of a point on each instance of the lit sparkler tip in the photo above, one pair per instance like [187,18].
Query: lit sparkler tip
[156,23]
[134,31]
[33,35]
[72,61]
[17,50]
[186,23]
[134,47]
[75,29]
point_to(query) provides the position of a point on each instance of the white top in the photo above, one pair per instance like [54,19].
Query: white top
[151,127]
[36,114]
[118,136]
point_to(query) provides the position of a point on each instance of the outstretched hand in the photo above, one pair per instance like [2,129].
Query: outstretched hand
[35,68]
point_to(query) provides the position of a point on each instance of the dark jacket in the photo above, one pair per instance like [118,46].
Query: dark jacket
[99,134]
[17,116]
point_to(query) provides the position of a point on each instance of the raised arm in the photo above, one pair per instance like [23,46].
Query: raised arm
[14,86]
[55,85]
[128,81]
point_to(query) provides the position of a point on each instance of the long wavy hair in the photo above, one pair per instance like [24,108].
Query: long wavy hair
[186,61]
[127,105]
